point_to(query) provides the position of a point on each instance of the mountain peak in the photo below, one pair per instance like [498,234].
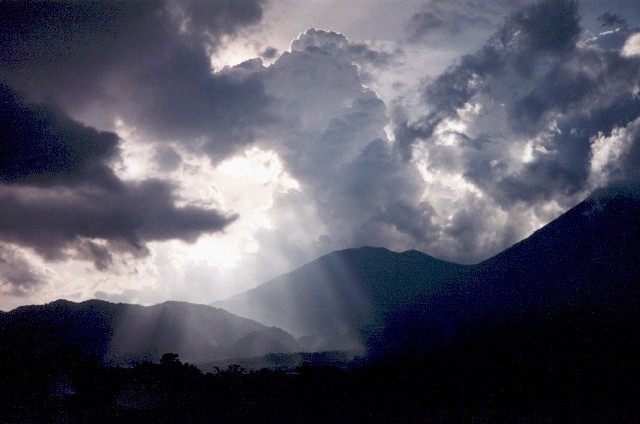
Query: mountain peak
[629,189]
[623,193]
[328,300]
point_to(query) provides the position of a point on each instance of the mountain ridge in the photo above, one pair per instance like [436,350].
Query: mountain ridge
[119,333]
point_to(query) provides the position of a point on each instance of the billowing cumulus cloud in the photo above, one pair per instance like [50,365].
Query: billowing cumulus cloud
[335,146]
[632,46]
[338,46]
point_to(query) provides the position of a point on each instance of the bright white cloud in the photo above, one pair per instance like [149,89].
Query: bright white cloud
[632,46]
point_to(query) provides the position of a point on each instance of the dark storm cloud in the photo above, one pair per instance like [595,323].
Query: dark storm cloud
[539,30]
[379,182]
[545,26]
[58,191]
[40,146]
[145,62]
[531,82]
[97,253]
[17,277]
[269,53]
[214,18]
[49,221]
[566,171]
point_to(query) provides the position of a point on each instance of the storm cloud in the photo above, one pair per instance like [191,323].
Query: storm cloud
[41,147]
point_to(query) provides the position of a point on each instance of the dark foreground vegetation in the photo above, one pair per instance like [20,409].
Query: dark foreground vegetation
[557,370]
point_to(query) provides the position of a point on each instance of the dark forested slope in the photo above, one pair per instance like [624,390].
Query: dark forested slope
[121,333]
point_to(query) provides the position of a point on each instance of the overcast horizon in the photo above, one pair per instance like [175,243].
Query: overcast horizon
[191,150]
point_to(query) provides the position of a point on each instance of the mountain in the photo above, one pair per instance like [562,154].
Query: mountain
[585,262]
[327,302]
[588,256]
[121,333]
[580,270]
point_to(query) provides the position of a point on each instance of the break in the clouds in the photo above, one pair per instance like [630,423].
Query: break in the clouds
[137,161]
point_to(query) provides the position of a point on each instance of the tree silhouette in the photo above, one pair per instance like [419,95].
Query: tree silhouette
[170,359]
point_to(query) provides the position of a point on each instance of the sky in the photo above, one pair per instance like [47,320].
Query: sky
[191,150]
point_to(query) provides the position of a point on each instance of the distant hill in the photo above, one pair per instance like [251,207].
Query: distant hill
[122,333]
[585,261]
[327,302]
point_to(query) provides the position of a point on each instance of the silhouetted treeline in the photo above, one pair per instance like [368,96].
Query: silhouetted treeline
[565,367]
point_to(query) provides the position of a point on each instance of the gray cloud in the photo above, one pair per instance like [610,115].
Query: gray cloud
[17,277]
[269,53]
[630,168]
[544,26]
[54,219]
[438,18]
[500,141]
[539,30]
[167,158]
[337,45]
[443,20]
